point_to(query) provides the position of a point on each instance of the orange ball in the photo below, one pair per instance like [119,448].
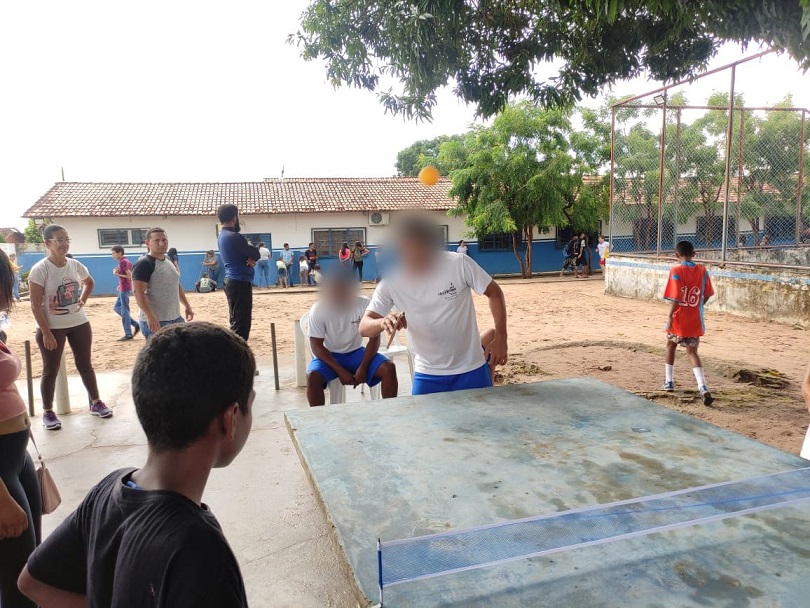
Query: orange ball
[429,175]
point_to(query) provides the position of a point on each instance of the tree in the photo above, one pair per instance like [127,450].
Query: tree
[490,50]
[32,232]
[516,175]
[425,152]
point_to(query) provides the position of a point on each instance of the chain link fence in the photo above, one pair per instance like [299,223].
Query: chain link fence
[682,171]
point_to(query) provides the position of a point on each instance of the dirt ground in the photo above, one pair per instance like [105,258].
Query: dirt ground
[557,329]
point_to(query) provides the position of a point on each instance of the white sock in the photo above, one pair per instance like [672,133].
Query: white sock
[670,372]
[698,371]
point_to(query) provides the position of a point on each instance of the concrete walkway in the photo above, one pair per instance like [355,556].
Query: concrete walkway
[263,500]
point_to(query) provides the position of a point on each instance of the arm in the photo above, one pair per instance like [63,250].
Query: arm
[87,288]
[184,301]
[37,295]
[126,275]
[46,595]
[497,349]
[321,352]
[806,388]
[373,324]
[139,288]
[673,306]
[13,520]
[372,348]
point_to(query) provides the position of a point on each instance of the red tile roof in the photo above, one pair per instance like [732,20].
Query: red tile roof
[297,195]
[12,235]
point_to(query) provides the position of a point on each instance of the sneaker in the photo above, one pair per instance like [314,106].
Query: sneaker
[668,387]
[99,409]
[50,421]
[125,339]
[707,396]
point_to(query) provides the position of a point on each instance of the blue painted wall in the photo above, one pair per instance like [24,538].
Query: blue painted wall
[546,258]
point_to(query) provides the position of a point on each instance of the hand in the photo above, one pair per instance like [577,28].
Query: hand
[393,322]
[346,377]
[115,271]
[81,303]
[189,314]
[496,351]
[48,340]
[153,323]
[250,263]
[361,375]
[13,520]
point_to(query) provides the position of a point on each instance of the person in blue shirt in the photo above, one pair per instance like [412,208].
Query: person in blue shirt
[239,258]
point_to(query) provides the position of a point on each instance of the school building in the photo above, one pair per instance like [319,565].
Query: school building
[326,211]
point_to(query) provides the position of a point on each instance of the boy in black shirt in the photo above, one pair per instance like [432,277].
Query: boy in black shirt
[142,537]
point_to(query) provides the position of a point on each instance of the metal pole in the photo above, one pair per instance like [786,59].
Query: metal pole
[729,133]
[275,353]
[29,377]
[677,190]
[799,217]
[612,167]
[62,392]
[661,178]
[740,172]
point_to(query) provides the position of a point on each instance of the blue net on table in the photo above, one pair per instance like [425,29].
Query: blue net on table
[423,557]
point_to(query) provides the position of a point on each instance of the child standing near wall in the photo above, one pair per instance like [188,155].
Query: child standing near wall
[688,289]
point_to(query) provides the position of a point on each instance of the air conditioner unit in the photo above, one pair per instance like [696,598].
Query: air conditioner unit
[378,218]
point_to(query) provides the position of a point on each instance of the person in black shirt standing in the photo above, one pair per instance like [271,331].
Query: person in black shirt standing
[312,258]
[143,537]
[239,258]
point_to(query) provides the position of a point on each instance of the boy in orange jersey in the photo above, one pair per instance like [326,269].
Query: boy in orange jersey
[688,288]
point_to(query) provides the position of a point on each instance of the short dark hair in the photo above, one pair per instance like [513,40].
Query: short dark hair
[685,249]
[152,231]
[260,244]
[226,213]
[286,244]
[186,376]
[117,249]
[50,230]
[311,244]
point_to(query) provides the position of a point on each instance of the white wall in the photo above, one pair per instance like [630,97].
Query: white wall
[195,233]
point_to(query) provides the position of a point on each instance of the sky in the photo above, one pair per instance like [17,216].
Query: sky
[211,91]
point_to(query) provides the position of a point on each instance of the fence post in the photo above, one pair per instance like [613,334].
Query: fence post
[799,216]
[29,377]
[729,134]
[612,167]
[740,171]
[275,353]
[661,177]
[62,392]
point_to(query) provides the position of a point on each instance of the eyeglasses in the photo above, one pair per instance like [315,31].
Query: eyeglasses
[61,241]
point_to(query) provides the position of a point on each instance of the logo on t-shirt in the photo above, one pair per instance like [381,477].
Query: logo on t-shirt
[67,295]
[451,293]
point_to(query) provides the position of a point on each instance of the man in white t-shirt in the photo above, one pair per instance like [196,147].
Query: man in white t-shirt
[432,289]
[337,346]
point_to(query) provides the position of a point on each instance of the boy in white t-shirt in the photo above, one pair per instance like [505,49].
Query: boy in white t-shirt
[432,289]
[338,347]
[603,248]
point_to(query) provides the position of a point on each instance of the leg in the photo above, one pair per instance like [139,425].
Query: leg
[19,477]
[230,297]
[126,318]
[315,392]
[51,360]
[242,297]
[389,385]
[80,339]
[360,271]
[694,358]
[670,356]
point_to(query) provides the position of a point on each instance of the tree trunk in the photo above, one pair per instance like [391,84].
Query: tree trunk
[529,236]
[754,221]
[518,257]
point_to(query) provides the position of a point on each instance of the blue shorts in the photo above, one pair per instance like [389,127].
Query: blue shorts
[426,384]
[350,361]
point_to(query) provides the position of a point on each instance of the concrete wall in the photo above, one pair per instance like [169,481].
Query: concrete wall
[797,255]
[772,294]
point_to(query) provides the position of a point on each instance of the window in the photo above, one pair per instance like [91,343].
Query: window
[444,234]
[107,237]
[498,242]
[328,241]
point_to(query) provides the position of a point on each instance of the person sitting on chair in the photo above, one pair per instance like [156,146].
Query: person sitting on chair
[336,344]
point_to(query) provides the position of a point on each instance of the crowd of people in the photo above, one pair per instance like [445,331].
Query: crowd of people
[143,536]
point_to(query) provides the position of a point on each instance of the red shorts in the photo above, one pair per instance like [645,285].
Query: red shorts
[602,262]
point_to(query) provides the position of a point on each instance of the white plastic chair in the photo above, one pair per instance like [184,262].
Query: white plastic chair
[397,350]
[337,391]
